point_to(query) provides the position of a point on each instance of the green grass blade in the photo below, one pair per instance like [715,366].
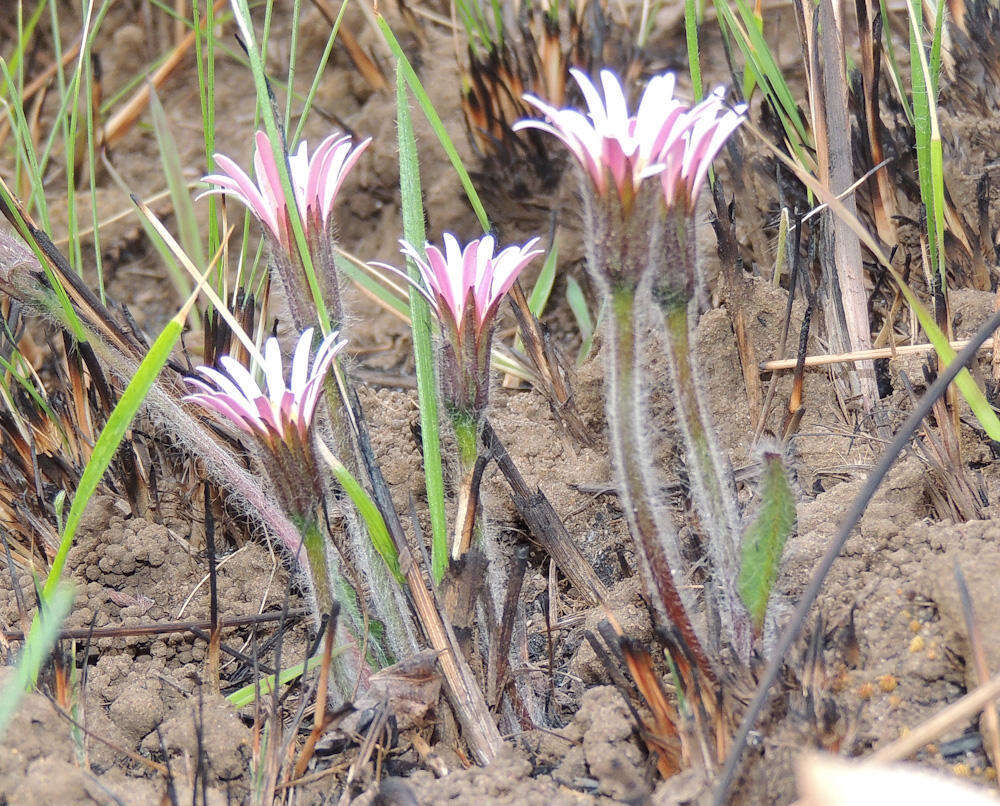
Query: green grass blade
[177,275]
[542,289]
[895,74]
[180,198]
[41,638]
[930,158]
[92,183]
[114,431]
[424,101]
[246,695]
[691,37]
[581,313]
[765,538]
[314,87]
[29,159]
[204,51]
[370,284]
[420,321]
[768,75]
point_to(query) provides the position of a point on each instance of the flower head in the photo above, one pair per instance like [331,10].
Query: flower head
[465,288]
[282,415]
[664,136]
[315,181]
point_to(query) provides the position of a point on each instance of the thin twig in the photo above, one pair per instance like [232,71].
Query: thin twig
[784,364]
[80,633]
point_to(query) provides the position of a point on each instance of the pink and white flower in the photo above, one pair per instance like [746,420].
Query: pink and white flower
[465,288]
[315,181]
[664,137]
[471,282]
[284,413]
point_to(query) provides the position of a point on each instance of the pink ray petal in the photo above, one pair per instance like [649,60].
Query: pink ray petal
[248,386]
[454,273]
[595,104]
[300,362]
[224,385]
[709,148]
[298,173]
[268,177]
[246,191]
[274,372]
[221,405]
[319,170]
[416,285]
[616,106]
[345,158]
[437,279]
[510,263]
[270,417]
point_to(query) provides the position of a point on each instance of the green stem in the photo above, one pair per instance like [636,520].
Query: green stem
[467,435]
[315,545]
[653,535]
[328,585]
[712,486]
[466,428]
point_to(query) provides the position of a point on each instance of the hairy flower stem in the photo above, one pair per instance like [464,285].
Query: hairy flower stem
[315,545]
[653,536]
[712,486]
[345,666]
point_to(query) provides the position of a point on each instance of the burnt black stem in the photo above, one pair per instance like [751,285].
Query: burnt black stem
[509,615]
[851,518]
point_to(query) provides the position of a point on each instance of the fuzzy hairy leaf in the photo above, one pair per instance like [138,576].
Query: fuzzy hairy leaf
[765,538]
[420,318]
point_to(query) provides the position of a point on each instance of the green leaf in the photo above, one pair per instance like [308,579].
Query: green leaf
[246,695]
[766,73]
[41,638]
[377,530]
[114,431]
[691,37]
[187,220]
[584,322]
[765,538]
[420,321]
[543,285]
[404,67]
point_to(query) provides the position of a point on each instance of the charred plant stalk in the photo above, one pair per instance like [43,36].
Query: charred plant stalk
[630,448]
